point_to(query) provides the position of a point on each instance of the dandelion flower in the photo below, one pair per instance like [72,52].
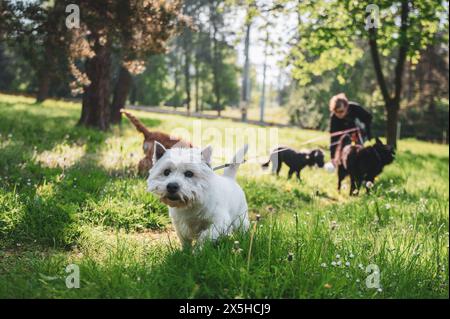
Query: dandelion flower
[236,249]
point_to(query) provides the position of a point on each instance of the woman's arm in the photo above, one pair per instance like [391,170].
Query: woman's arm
[334,127]
[365,117]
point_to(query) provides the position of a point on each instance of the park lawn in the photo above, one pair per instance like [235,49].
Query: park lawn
[272,114]
[70,195]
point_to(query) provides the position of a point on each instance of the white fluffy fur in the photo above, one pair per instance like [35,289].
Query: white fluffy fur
[208,205]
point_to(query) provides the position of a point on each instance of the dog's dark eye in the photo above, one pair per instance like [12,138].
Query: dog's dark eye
[167,172]
[188,174]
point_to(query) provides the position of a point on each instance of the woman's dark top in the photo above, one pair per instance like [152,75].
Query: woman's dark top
[355,111]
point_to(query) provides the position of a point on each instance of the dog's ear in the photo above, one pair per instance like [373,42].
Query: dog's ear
[158,151]
[378,141]
[207,154]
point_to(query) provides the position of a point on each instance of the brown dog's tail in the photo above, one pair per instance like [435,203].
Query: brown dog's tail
[138,124]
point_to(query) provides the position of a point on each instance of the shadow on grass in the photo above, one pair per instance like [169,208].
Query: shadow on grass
[47,216]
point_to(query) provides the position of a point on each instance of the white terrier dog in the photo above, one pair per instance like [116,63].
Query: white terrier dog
[202,204]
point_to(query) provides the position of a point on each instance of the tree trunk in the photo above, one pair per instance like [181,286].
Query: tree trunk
[187,79]
[392,103]
[391,127]
[133,93]
[187,68]
[177,77]
[45,73]
[262,103]
[197,84]
[215,57]
[216,61]
[246,75]
[120,95]
[95,107]
[44,85]
[216,78]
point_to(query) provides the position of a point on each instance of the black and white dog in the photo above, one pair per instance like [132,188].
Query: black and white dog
[296,161]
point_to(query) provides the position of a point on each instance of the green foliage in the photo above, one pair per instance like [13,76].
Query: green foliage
[308,105]
[333,33]
[151,86]
[228,83]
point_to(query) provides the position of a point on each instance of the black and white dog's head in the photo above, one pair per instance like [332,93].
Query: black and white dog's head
[316,157]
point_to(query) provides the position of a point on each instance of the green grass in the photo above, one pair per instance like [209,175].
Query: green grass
[72,195]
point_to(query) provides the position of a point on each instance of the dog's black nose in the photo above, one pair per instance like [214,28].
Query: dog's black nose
[172,188]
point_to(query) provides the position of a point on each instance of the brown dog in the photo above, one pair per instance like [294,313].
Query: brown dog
[168,141]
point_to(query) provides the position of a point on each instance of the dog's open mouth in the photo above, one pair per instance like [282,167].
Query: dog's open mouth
[173,200]
[173,197]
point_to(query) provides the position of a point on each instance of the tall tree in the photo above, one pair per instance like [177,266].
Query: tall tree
[216,20]
[251,13]
[137,28]
[37,30]
[334,31]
